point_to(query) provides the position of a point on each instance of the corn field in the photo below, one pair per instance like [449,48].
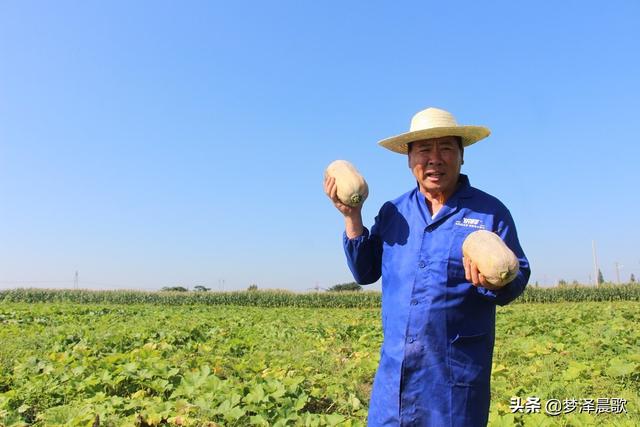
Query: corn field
[628,292]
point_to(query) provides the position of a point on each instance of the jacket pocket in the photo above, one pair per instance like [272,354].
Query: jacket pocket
[470,359]
[455,265]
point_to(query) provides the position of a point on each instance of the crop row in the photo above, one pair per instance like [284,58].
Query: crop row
[629,292]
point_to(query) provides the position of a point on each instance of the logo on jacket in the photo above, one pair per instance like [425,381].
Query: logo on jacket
[471,223]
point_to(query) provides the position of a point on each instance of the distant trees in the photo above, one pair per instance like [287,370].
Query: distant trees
[253,287]
[174,289]
[632,279]
[600,277]
[197,288]
[342,287]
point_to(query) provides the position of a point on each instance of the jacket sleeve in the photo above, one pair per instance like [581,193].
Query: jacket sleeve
[507,231]
[364,254]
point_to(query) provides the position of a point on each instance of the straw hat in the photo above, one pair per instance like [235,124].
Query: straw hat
[434,123]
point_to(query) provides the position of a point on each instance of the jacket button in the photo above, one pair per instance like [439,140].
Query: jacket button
[414,302]
[411,340]
[421,264]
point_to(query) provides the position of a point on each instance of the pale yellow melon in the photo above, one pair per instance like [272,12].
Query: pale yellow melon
[352,188]
[497,263]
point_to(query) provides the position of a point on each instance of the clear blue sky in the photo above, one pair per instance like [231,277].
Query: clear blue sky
[147,144]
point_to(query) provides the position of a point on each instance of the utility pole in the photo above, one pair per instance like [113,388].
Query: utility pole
[75,281]
[617,266]
[595,262]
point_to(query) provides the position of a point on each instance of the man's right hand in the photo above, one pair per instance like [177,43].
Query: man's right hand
[331,190]
[352,215]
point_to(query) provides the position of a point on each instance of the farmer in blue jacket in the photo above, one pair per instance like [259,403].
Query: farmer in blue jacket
[438,311]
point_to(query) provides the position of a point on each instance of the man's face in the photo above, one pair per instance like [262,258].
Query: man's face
[436,165]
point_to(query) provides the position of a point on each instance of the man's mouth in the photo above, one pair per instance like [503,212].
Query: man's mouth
[433,175]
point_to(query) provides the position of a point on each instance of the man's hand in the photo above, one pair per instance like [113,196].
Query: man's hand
[331,190]
[352,215]
[473,275]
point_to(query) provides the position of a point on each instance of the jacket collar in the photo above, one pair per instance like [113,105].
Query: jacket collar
[464,188]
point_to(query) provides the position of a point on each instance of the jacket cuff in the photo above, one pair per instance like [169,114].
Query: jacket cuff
[356,240]
[506,294]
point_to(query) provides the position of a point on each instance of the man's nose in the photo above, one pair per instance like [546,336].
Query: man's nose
[435,158]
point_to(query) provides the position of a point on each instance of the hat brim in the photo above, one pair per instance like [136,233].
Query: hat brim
[469,135]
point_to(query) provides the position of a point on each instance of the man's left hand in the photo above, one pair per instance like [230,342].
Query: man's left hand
[473,275]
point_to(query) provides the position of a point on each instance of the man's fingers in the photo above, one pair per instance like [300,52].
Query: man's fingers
[474,273]
[330,188]
[333,191]
[482,280]
[467,274]
[327,184]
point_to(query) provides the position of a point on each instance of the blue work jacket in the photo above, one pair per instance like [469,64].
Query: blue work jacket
[439,329]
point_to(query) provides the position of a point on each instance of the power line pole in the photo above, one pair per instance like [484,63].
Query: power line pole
[75,281]
[595,263]
[617,265]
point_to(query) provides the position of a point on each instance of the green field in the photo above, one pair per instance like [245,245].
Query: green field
[65,363]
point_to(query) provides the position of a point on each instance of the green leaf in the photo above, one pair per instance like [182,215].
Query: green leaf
[258,420]
[234,413]
[300,402]
[354,402]
[539,420]
[255,395]
[508,420]
[334,419]
[573,371]
[619,368]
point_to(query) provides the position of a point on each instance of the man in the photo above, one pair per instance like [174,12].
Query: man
[438,311]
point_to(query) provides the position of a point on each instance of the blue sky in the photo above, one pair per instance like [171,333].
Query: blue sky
[148,144]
